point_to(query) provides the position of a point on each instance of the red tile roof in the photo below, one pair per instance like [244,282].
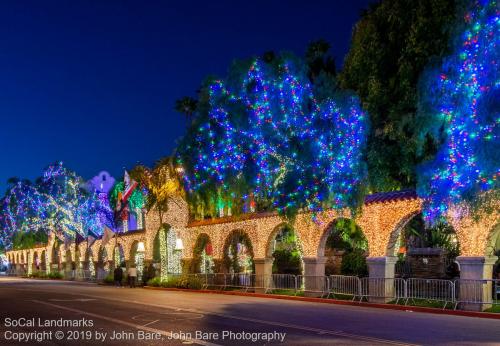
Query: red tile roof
[380,197]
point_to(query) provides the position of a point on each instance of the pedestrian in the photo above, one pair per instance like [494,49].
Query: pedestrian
[118,276]
[132,275]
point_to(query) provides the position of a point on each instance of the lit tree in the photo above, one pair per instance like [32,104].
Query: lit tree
[68,207]
[57,202]
[262,132]
[461,102]
[21,210]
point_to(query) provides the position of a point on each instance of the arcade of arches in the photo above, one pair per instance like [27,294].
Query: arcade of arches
[212,245]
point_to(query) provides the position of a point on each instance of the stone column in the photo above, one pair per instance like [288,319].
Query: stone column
[263,272]
[380,284]
[314,281]
[475,293]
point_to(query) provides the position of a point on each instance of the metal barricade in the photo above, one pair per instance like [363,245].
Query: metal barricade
[431,290]
[280,282]
[214,281]
[243,281]
[477,292]
[315,285]
[383,290]
[341,285]
[101,274]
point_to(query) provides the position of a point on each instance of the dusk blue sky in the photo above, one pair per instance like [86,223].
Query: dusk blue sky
[93,83]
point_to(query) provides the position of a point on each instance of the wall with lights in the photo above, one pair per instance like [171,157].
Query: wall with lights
[381,219]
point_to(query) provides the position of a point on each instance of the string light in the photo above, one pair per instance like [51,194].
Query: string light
[463,97]
[265,135]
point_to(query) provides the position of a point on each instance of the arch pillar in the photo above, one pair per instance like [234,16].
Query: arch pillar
[477,269]
[314,276]
[381,272]
[263,266]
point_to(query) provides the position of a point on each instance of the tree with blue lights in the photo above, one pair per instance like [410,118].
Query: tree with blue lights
[262,134]
[461,106]
[57,202]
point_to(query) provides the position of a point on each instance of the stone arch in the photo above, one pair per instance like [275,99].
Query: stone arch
[341,255]
[55,254]
[271,241]
[35,261]
[164,253]
[493,243]
[202,261]
[391,248]
[327,232]
[68,259]
[137,258]
[245,250]
[118,255]
[43,260]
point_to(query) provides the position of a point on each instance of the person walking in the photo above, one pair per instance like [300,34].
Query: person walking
[132,275]
[118,276]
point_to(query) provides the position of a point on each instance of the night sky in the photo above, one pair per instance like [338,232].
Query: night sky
[94,83]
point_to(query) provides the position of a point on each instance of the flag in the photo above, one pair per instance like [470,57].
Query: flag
[130,185]
[107,236]
[79,238]
[91,238]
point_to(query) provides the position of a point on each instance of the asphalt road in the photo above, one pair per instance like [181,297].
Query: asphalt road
[109,315]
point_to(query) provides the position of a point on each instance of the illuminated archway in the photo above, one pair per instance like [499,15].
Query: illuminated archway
[202,261]
[345,247]
[238,253]
[283,246]
[118,256]
[137,254]
[165,255]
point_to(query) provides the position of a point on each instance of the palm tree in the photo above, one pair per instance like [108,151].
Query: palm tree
[187,106]
[162,184]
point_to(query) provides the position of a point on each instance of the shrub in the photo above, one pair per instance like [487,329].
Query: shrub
[154,282]
[354,263]
[38,275]
[55,275]
[184,281]
[109,279]
[190,282]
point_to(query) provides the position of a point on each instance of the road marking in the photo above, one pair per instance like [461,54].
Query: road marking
[128,324]
[248,319]
[72,300]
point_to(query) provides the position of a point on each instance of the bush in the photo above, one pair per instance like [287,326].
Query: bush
[154,282]
[55,275]
[109,279]
[354,263]
[177,282]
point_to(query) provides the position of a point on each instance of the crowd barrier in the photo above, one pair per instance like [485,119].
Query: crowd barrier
[447,292]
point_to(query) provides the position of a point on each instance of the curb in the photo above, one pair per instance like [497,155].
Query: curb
[489,315]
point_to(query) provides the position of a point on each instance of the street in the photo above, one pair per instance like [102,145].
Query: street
[62,313]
